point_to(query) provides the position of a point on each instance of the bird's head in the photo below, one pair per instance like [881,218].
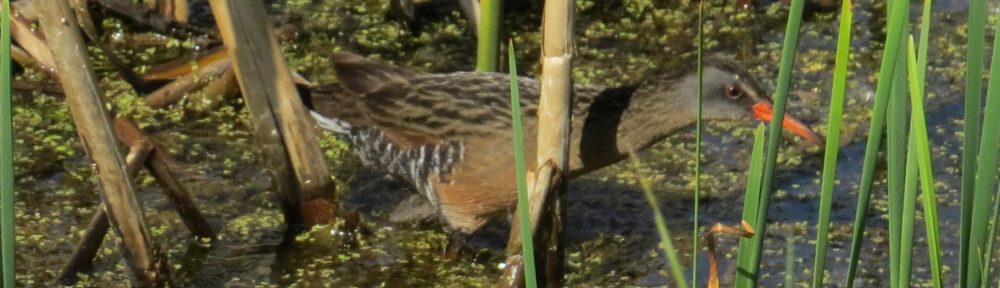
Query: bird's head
[731,92]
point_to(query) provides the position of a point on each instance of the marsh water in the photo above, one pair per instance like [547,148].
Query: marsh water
[609,224]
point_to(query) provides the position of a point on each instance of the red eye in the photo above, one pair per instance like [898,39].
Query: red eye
[734,92]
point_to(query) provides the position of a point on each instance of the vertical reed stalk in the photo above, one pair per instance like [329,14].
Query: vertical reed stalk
[992,234]
[790,260]
[896,24]
[929,196]
[773,141]
[489,36]
[986,176]
[751,204]
[923,152]
[896,158]
[527,247]
[666,242]
[909,210]
[832,141]
[555,106]
[973,95]
[6,152]
[697,149]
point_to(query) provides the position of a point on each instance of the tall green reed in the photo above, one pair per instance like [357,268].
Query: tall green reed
[781,94]
[527,247]
[488,45]
[970,147]
[751,208]
[666,242]
[921,142]
[832,141]
[896,157]
[6,153]
[697,148]
[986,178]
[918,156]
[992,234]
[897,21]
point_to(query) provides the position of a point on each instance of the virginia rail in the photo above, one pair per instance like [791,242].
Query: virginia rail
[450,134]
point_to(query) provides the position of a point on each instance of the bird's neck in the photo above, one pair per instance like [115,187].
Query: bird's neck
[650,119]
[622,121]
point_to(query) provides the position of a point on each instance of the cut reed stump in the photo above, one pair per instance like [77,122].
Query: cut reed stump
[87,108]
[280,121]
[158,164]
[547,184]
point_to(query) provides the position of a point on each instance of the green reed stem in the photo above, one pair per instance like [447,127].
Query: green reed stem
[992,235]
[896,22]
[922,146]
[909,210]
[666,242]
[832,142]
[973,95]
[697,151]
[781,94]
[929,195]
[6,153]
[790,260]
[751,206]
[925,30]
[488,45]
[986,176]
[524,212]
[896,161]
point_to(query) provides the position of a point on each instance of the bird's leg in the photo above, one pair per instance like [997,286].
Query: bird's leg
[456,242]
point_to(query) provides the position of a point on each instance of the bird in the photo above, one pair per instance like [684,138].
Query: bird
[450,135]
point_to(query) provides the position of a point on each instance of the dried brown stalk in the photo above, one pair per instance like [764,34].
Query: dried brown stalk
[92,121]
[546,188]
[745,231]
[33,43]
[173,92]
[286,137]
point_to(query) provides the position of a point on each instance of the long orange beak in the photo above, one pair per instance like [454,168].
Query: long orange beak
[764,111]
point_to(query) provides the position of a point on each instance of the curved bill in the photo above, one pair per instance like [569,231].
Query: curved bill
[764,111]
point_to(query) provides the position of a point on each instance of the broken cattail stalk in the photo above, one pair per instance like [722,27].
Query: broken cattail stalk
[159,165]
[83,256]
[176,90]
[554,109]
[182,66]
[143,152]
[215,92]
[87,108]
[288,139]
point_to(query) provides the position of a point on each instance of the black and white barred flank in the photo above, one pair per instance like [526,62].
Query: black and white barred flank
[417,165]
